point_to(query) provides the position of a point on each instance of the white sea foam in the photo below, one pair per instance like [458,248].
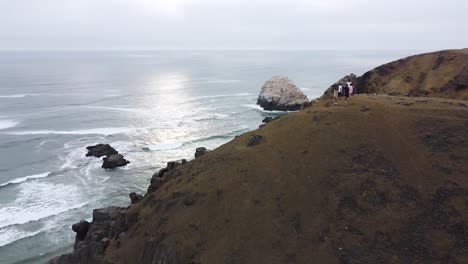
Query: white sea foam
[166,146]
[27,95]
[222,81]
[39,200]
[75,158]
[25,178]
[94,131]
[121,109]
[9,235]
[4,124]
[259,108]
[220,95]
[210,117]
[13,96]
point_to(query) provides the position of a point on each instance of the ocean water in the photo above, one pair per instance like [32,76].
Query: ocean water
[153,107]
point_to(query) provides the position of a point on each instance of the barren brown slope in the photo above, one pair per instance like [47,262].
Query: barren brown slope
[437,74]
[383,180]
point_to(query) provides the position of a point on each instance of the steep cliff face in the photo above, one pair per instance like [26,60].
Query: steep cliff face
[382,180]
[437,74]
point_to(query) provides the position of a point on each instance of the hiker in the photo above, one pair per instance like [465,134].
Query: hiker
[351,89]
[346,94]
[340,90]
[335,96]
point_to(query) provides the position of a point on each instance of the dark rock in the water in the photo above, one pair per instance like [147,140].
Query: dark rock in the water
[81,229]
[201,151]
[113,158]
[135,198]
[254,140]
[100,150]
[113,161]
[280,93]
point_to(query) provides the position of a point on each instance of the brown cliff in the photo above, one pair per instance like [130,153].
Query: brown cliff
[382,180]
[437,74]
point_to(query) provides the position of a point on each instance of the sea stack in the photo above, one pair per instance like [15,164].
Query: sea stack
[112,157]
[280,93]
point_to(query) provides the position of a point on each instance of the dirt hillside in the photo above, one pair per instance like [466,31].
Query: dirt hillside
[437,74]
[382,180]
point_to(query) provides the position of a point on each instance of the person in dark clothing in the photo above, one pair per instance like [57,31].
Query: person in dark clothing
[346,94]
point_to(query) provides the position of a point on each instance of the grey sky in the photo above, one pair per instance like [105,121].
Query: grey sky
[180,24]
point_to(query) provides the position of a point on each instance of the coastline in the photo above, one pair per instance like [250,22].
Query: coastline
[386,143]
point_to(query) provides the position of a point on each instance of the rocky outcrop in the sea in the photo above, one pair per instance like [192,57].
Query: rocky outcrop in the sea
[348,78]
[280,93]
[112,157]
[113,161]
[100,150]
[201,151]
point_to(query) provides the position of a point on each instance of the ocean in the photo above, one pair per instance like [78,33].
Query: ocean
[152,106]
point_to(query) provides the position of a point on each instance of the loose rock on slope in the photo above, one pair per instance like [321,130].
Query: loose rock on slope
[201,151]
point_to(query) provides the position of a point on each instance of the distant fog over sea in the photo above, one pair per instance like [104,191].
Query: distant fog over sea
[152,106]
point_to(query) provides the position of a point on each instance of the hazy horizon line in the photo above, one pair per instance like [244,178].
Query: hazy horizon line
[227,49]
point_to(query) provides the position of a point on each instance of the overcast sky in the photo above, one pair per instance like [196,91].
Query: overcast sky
[239,24]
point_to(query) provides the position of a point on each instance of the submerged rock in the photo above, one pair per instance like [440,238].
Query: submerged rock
[201,151]
[113,161]
[280,93]
[100,150]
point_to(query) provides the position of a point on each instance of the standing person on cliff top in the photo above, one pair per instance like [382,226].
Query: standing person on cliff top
[335,96]
[351,89]
[340,90]
[346,94]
